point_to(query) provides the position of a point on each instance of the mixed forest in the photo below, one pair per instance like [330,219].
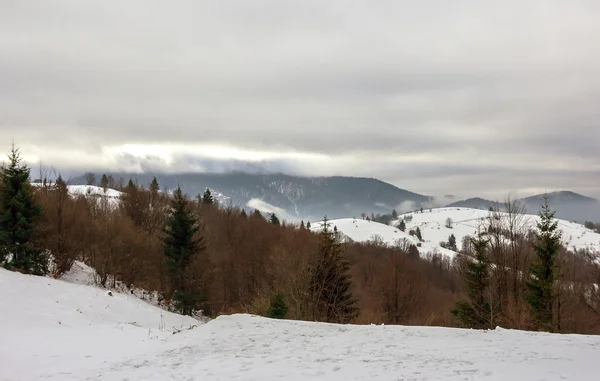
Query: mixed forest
[202,258]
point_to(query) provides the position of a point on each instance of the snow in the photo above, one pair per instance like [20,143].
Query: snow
[92,190]
[432,224]
[52,327]
[56,330]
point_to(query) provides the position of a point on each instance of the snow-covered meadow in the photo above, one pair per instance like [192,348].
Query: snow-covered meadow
[465,221]
[56,330]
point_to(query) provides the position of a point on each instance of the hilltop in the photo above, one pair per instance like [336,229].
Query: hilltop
[465,221]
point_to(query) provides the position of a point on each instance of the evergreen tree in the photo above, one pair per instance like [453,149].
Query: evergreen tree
[104,182]
[274,220]
[181,246]
[452,243]
[402,225]
[207,197]
[541,295]
[154,187]
[278,308]
[302,224]
[308,225]
[330,284]
[477,312]
[394,214]
[243,213]
[18,216]
[257,213]
[418,234]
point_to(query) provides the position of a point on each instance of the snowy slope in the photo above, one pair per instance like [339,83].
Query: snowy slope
[50,326]
[466,221]
[244,347]
[54,330]
[91,190]
[432,224]
[363,230]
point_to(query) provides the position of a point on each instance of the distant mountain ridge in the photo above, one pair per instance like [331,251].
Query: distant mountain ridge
[293,197]
[568,205]
[296,197]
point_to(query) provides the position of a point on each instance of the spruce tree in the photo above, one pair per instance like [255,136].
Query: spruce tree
[19,214]
[278,308]
[181,246]
[207,197]
[541,294]
[402,225]
[302,225]
[418,234]
[330,285]
[104,182]
[452,243]
[394,214]
[274,220]
[308,225]
[477,311]
[154,187]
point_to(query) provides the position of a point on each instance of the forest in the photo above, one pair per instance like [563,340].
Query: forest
[200,257]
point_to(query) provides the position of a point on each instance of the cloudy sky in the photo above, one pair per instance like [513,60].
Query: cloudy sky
[465,97]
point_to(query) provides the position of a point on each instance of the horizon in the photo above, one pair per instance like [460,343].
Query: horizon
[438,197]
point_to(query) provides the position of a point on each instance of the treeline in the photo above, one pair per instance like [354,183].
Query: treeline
[200,256]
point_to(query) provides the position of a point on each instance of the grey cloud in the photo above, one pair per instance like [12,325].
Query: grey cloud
[480,91]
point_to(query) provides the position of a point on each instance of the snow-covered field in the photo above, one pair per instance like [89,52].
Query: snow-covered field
[432,224]
[55,330]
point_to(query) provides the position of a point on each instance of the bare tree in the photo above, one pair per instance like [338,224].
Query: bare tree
[90,178]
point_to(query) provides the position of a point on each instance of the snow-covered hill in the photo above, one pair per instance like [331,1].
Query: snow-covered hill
[53,327]
[56,330]
[364,230]
[465,221]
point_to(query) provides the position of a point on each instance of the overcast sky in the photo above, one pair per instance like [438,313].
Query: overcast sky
[463,97]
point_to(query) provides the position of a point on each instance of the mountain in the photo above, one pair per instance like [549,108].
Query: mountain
[568,205]
[474,203]
[292,197]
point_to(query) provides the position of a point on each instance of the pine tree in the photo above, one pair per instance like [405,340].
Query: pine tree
[104,182]
[18,217]
[302,225]
[330,284]
[257,213]
[477,312]
[274,220]
[207,197]
[308,225]
[181,246]
[452,243]
[418,234]
[278,308]
[541,294]
[394,214]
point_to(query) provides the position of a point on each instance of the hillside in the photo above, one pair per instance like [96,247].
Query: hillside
[291,197]
[56,330]
[363,230]
[432,223]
